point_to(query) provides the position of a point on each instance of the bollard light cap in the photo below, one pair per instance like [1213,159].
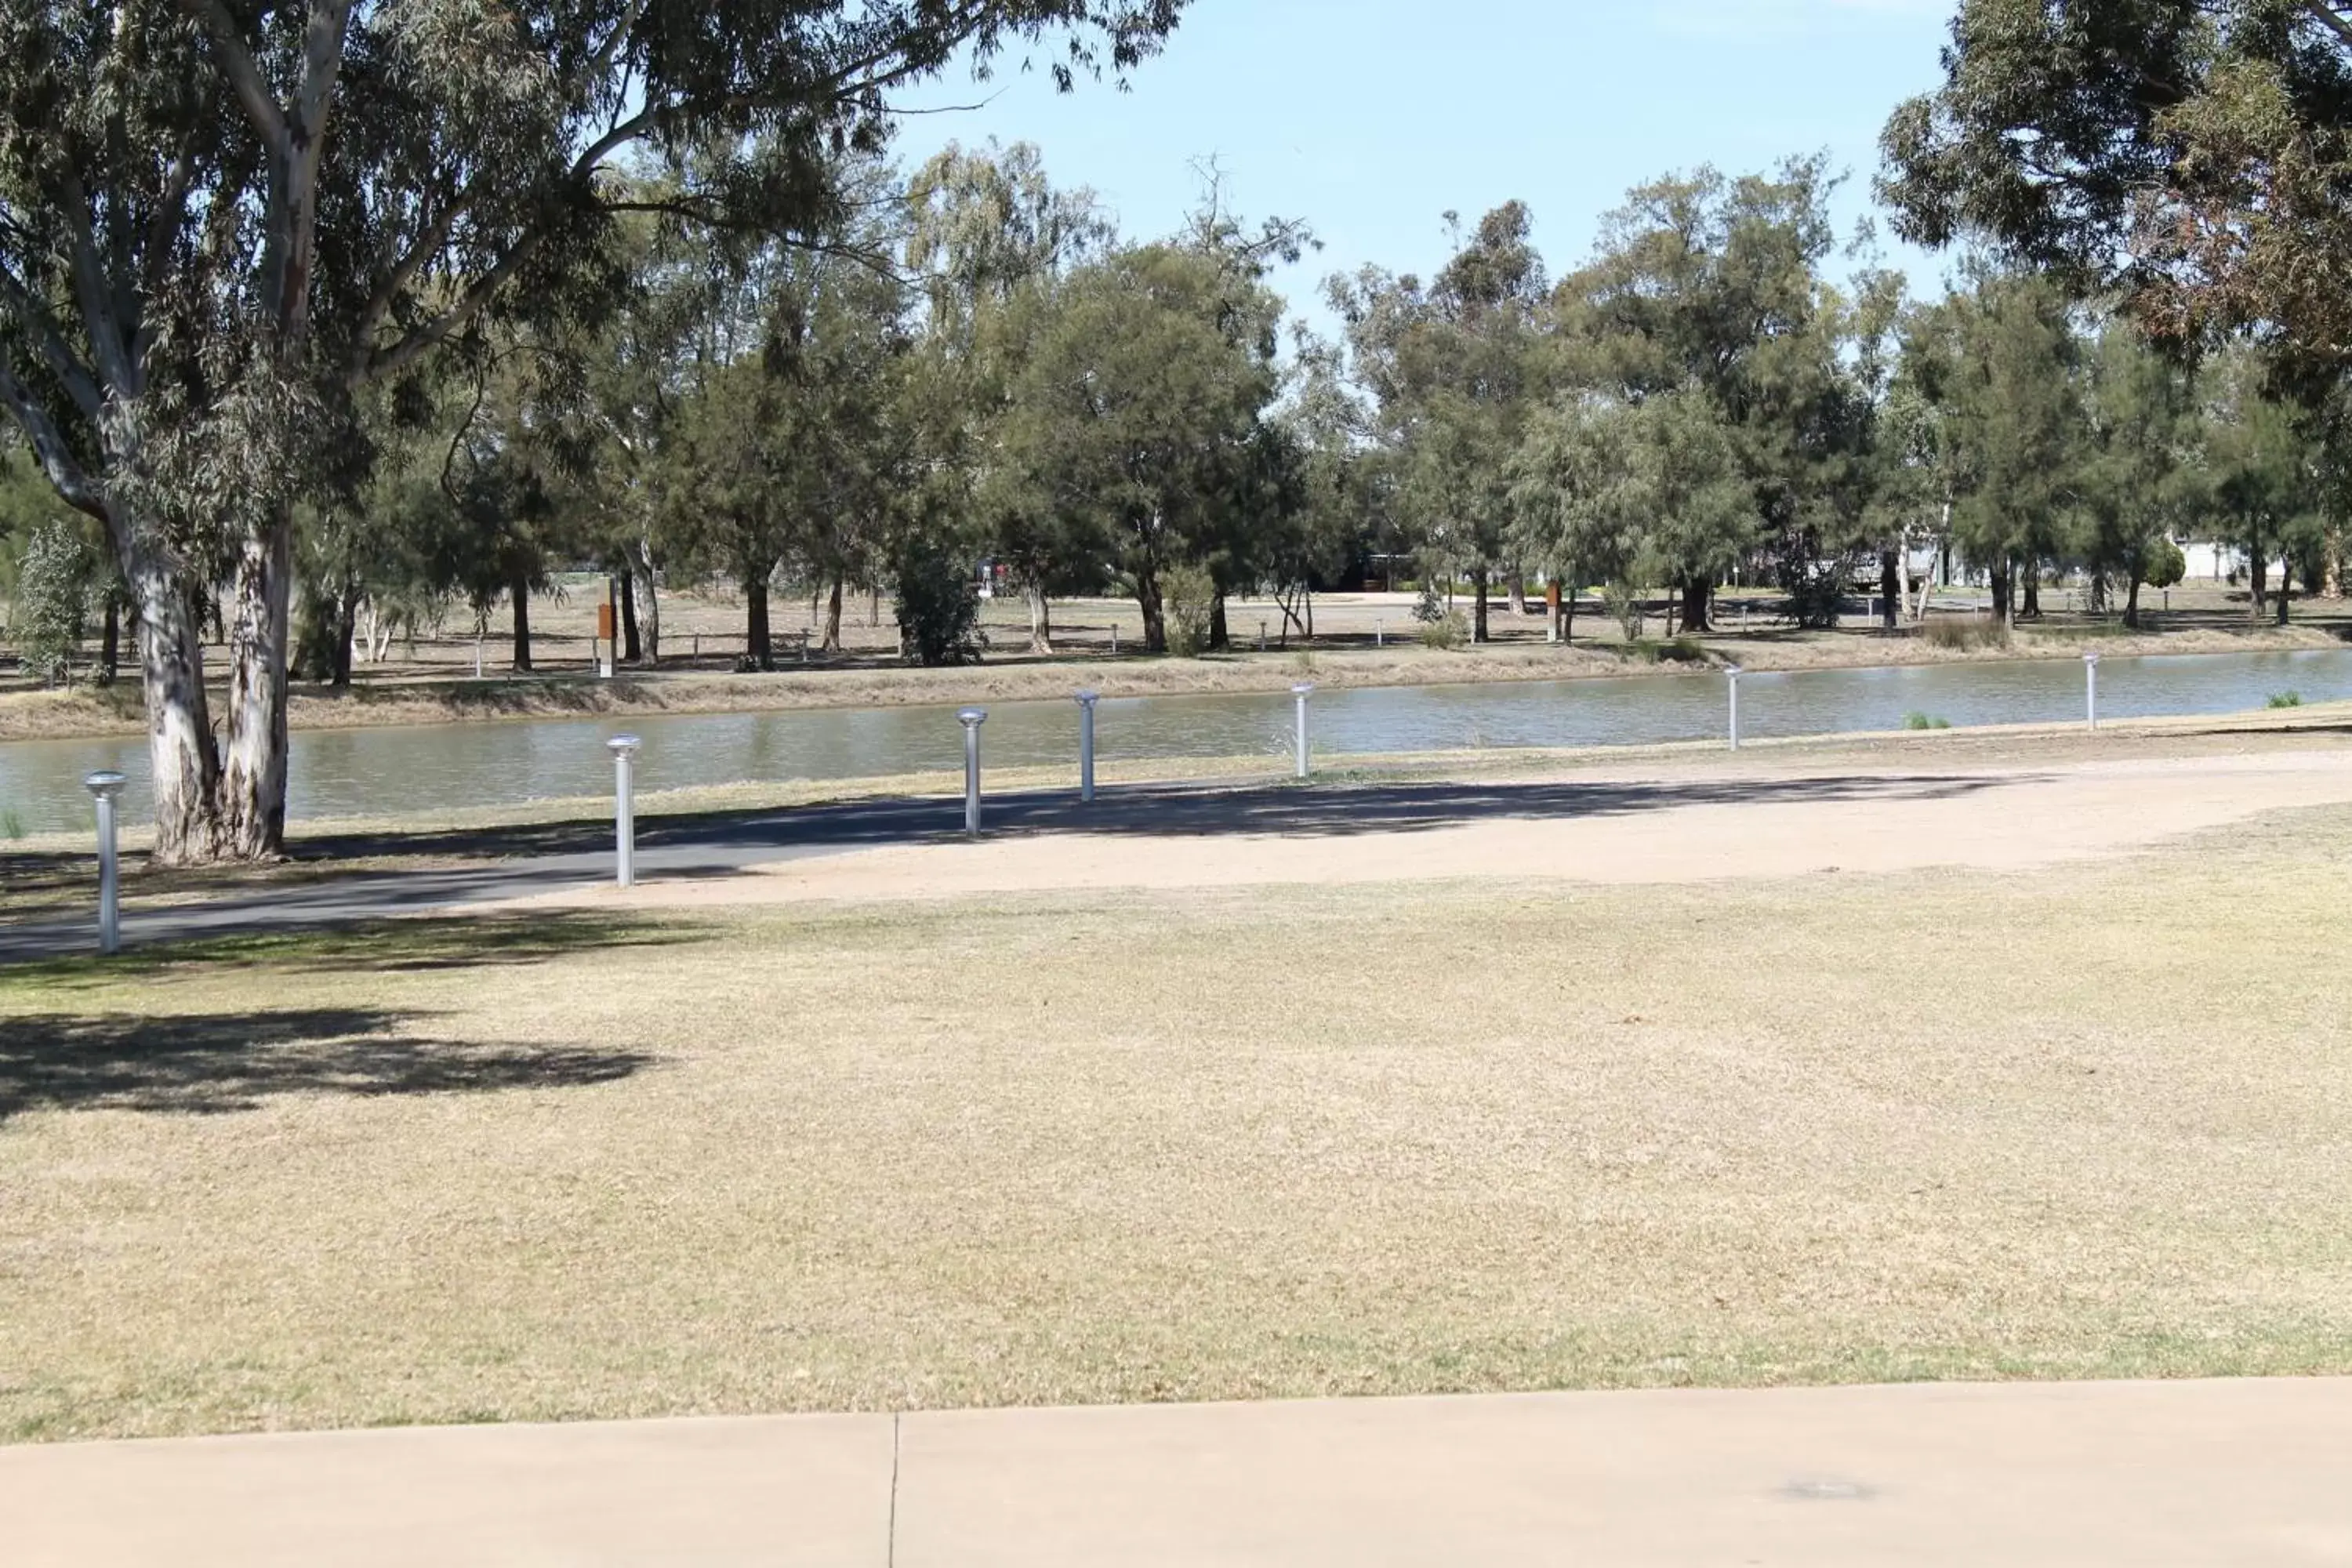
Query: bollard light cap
[1089,698]
[1303,687]
[622,745]
[2091,656]
[969,716]
[1733,670]
[105,784]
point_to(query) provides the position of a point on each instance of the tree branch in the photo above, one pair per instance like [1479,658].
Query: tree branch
[244,76]
[64,474]
[2332,19]
[20,303]
[90,288]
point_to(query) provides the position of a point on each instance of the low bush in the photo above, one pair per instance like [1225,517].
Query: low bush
[2286,699]
[1965,633]
[1190,595]
[1917,721]
[1449,630]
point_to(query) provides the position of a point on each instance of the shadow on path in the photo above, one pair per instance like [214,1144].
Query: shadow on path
[518,862]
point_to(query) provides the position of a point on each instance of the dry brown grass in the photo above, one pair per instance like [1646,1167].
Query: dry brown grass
[2088,1123]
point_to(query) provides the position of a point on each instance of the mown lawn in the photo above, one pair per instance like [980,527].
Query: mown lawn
[2089,1123]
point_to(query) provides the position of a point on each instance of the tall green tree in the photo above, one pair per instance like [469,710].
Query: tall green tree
[400,172]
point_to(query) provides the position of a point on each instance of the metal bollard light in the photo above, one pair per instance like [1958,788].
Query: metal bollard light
[972,719]
[1735,672]
[1086,701]
[2090,688]
[104,787]
[1304,690]
[625,808]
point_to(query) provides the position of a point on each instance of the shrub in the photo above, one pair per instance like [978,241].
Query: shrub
[1962,633]
[11,824]
[2164,565]
[1449,630]
[1919,721]
[1188,596]
[1428,606]
[2286,699]
[939,604]
[56,579]
[1623,604]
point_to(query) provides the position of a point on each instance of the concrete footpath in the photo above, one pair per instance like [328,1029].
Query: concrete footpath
[2210,1472]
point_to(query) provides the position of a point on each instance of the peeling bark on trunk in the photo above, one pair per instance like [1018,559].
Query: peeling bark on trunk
[1040,620]
[2131,603]
[110,647]
[832,643]
[519,592]
[183,759]
[2030,576]
[252,770]
[347,620]
[648,600]
[1155,611]
[1516,586]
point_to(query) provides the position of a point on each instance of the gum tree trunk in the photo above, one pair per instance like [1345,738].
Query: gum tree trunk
[632,645]
[1040,620]
[755,622]
[185,764]
[1697,592]
[520,591]
[832,643]
[1890,589]
[1478,605]
[1155,610]
[252,771]
[648,602]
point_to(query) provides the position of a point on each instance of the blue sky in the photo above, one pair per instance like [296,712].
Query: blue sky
[1372,118]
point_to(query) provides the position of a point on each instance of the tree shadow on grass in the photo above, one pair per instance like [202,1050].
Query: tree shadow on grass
[413,945]
[211,1064]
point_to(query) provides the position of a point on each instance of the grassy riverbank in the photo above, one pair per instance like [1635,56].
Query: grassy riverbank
[1009,1149]
[1350,653]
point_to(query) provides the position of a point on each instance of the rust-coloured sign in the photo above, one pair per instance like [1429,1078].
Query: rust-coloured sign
[605,620]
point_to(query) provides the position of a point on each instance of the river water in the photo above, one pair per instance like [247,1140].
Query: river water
[388,771]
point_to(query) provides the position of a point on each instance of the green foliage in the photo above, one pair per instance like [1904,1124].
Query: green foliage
[1451,629]
[939,604]
[1190,595]
[12,826]
[2286,699]
[2163,565]
[1671,650]
[1916,719]
[57,582]
[1622,602]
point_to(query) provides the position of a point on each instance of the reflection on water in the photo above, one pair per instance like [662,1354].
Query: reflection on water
[388,771]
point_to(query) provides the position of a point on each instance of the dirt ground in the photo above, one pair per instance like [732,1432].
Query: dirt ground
[1645,826]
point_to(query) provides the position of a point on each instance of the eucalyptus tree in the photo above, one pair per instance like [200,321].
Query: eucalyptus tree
[2188,157]
[1712,284]
[1452,368]
[989,236]
[1999,360]
[2265,468]
[218,218]
[1141,411]
[2136,475]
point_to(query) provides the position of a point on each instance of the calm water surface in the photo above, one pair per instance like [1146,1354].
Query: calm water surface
[389,772]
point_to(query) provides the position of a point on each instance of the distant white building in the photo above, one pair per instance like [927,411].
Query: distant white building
[2212,563]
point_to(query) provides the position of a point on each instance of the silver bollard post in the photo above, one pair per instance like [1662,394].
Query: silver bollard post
[1304,690]
[625,808]
[1734,671]
[104,787]
[1086,701]
[972,719]
[2090,688]
[1380,631]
